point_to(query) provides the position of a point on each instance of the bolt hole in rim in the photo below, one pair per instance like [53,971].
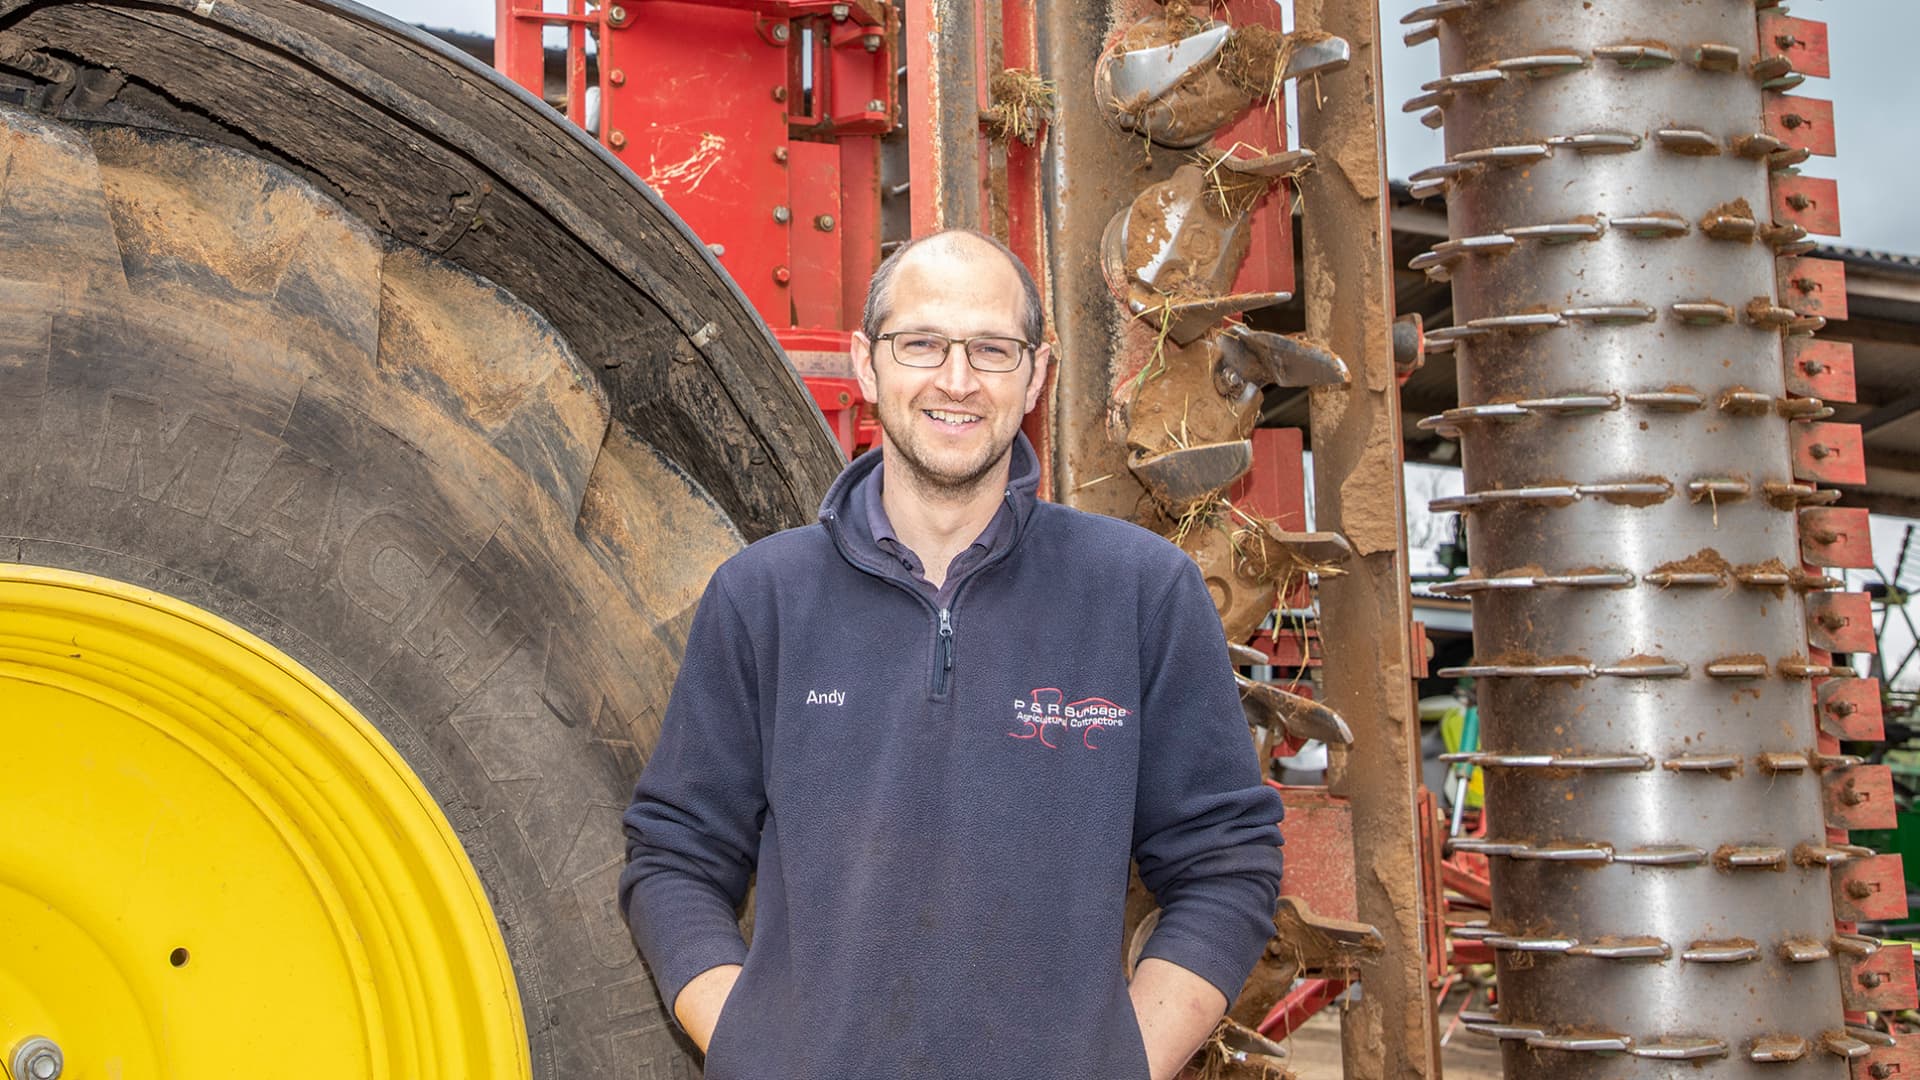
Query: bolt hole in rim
[177,779]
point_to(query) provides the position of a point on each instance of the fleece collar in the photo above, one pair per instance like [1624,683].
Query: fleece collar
[844,513]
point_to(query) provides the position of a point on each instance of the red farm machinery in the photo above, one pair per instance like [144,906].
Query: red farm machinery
[370,435]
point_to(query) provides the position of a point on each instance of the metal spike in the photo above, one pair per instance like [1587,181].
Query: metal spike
[1719,489]
[1519,671]
[1758,146]
[1420,35]
[1631,948]
[1727,764]
[1533,320]
[1648,670]
[1777,1048]
[1653,226]
[1871,1036]
[1612,314]
[1521,154]
[1687,141]
[1443,9]
[1751,858]
[1599,1044]
[1738,951]
[1667,579]
[1782,762]
[1712,56]
[1465,80]
[1803,950]
[1738,668]
[1702,312]
[1841,1044]
[1635,57]
[1531,945]
[1543,64]
[1558,233]
[1727,225]
[1506,1031]
[1426,101]
[1858,946]
[1669,400]
[1672,1048]
[1670,855]
[1434,118]
[1746,402]
[1598,142]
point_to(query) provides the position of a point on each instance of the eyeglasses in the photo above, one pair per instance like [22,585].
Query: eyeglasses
[926,349]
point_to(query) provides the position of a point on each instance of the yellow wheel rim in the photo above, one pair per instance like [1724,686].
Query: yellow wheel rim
[212,865]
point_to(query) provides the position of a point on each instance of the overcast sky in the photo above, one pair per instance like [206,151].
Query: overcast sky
[1875,95]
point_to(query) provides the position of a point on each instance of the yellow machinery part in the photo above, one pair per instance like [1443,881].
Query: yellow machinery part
[212,865]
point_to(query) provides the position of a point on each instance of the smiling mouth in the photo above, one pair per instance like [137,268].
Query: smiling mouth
[950,418]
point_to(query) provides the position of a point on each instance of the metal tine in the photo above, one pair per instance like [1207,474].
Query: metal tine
[1579,854]
[1475,245]
[1434,118]
[1662,855]
[1702,312]
[1820,855]
[1639,948]
[1763,579]
[1636,57]
[1792,494]
[1778,761]
[1600,1044]
[1473,500]
[1688,141]
[1473,931]
[1420,35]
[1507,1031]
[1598,142]
[1634,489]
[1445,171]
[1841,1044]
[1664,670]
[1785,160]
[1739,951]
[1612,314]
[1310,58]
[1667,579]
[1531,945]
[1542,64]
[1653,226]
[1858,946]
[1557,233]
[1752,858]
[1767,315]
[1673,1048]
[1713,56]
[1447,335]
[1519,671]
[1823,762]
[1475,1016]
[1738,669]
[1426,101]
[1521,154]
[1612,579]
[1721,225]
[1439,10]
[1426,189]
[1483,846]
[1719,489]
[1533,320]
[1466,80]
[1758,146]
[1668,400]
[1794,668]
[1746,402]
[1777,1048]
[1804,950]
[1871,1036]
[1728,764]
[1572,403]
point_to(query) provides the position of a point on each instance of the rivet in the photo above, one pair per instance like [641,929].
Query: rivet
[876,105]
[617,16]
[840,12]
[782,215]
[780,93]
[617,77]
[824,223]
[780,154]
[616,138]
[781,32]
[781,275]
[872,42]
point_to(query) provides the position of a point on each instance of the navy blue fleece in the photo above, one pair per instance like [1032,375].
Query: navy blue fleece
[941,826]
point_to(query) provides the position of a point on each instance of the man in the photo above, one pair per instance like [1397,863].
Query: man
[937,724]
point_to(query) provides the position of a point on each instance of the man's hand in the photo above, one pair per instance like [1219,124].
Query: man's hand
[1177,1011]
[700,1001]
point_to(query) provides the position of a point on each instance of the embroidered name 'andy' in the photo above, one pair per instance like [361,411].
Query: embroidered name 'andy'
[1048,707]
[826,697]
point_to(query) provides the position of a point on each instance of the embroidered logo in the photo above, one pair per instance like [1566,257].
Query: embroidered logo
[1048,708]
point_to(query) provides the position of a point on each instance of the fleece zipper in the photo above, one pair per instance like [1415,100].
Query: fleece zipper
[943,627]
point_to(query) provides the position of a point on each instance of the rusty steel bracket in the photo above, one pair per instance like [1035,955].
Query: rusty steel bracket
[1901,1061]
[1850,709]
[1262,358]
[1836,536]
[1870,890]
[1813,286]
[1828,453]
[1882,981]
[1820,369]
[1809,202]
[1792,46]
[1802,123]
[1860,797]
[1841,622]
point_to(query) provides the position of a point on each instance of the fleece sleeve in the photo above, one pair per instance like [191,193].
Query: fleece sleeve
[693,830]
[1206,828]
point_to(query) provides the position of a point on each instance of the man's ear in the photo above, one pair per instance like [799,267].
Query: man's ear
[1037,382]
[862,352]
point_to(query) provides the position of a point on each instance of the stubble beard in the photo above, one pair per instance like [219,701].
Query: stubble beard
[930,481]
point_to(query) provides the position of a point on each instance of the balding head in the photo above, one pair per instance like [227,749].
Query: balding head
[959,247]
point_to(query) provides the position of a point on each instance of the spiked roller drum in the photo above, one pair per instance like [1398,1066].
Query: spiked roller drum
[1640,407]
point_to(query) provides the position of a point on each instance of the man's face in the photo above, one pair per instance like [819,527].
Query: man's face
[951,426]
